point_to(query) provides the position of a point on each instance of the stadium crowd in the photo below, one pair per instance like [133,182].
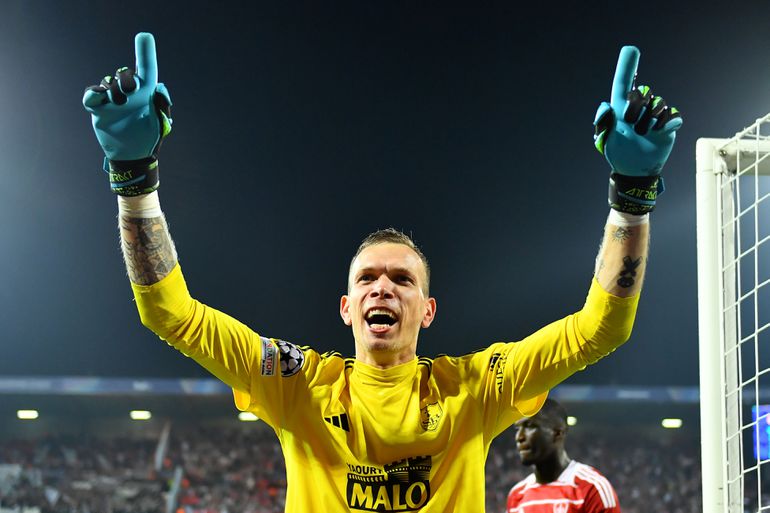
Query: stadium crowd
[241,470]
[224,471]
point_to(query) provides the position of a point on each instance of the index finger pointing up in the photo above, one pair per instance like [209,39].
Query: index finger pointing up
[146,61]
[628,61]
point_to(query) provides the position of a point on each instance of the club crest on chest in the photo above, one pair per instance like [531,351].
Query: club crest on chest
[430,415]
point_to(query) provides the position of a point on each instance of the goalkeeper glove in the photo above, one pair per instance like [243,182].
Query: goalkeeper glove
[635,132]
[130,115]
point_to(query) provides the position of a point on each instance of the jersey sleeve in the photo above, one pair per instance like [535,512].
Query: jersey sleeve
[230,350]
[515,377]
[555,352]
[514,495]
[600,496]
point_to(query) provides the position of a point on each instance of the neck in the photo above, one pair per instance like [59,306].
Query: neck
[385,359]
[549,470]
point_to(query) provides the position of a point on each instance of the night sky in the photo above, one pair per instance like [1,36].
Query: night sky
[301,128]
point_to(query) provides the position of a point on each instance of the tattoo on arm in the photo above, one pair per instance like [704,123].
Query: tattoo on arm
[628,273]
[622,234]
[147,249]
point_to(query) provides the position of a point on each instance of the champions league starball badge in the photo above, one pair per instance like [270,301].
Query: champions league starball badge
[292,358]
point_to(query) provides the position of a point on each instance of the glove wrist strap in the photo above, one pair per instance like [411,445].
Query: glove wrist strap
[132,177]
[634,194]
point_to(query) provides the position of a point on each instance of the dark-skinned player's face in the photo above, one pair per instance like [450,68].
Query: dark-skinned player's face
[535,440]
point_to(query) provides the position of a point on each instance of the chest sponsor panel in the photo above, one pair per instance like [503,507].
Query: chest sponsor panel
[403,485]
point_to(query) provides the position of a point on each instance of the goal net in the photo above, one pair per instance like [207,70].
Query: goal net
[733,224]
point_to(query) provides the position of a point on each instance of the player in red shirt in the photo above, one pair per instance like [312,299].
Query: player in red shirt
[558,484]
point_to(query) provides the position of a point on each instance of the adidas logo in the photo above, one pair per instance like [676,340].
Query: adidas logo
[340,421]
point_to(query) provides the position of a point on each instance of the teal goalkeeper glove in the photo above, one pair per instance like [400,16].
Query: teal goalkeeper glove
[131,116]
[635,132]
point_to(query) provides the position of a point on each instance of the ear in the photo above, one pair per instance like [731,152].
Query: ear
[430,312]
[558,434]
[345,310]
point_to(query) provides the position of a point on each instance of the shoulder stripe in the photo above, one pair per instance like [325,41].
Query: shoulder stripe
[606,495]
[427,362]
[599,482]
[522,485]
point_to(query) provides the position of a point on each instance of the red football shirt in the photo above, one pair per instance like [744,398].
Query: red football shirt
[579,489]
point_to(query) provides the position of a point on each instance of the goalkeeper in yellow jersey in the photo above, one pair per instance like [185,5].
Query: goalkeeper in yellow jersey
[386,430]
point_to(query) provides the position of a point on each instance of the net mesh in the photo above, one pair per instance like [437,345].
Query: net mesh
[745,266]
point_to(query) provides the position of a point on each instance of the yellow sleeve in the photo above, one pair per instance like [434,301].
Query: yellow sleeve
[515,377]
[555,352]
[227,348]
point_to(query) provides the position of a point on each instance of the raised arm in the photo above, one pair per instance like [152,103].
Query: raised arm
[130,115]
[635,132]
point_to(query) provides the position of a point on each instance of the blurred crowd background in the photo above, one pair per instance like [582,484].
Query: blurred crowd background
[230,467]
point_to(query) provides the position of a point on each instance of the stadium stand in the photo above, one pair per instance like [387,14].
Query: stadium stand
[84,455]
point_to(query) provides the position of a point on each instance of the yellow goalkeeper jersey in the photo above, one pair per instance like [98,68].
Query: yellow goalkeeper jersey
[409,438]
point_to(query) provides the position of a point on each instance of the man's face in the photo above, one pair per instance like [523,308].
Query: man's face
[385,304]
[536,439]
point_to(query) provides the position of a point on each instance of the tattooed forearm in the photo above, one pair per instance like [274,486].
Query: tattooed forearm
[621,234]
[628,274]
[147,249]
[622,260]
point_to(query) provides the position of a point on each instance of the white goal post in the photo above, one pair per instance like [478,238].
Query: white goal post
[733,237]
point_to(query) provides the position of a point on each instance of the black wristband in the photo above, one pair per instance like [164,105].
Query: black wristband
[132,177]
[634,194]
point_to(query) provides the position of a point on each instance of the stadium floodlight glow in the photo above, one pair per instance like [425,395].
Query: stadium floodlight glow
[671,423]
[571,421]
[247,416]
[140,415]
[27,414]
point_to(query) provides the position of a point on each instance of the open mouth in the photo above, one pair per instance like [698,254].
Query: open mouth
[380,319]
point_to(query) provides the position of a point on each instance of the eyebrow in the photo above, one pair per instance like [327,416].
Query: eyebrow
[390,269]
[397,270]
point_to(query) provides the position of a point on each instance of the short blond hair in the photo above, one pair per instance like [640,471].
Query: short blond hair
[393,236]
